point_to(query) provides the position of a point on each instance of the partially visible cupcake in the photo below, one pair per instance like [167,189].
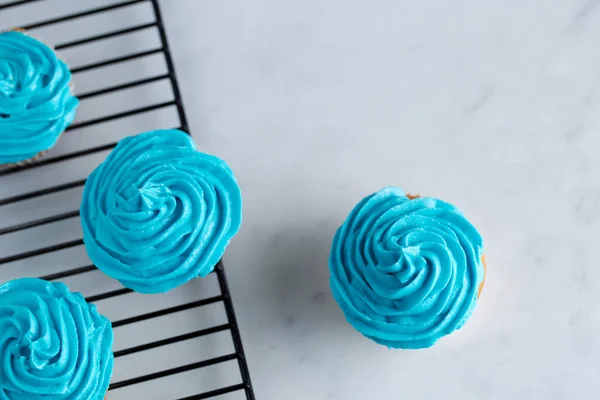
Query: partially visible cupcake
[158,213]
[36,103]
[406,270]
[53,345]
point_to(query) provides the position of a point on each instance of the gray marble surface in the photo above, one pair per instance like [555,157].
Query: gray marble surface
[491,105]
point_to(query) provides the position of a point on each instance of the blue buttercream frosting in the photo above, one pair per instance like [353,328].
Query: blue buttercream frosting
[158,213]
[53,344]
[406,272]
[36,104]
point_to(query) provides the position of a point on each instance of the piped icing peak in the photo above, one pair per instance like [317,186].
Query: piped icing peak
[36,103]
[406,271]
[158,213]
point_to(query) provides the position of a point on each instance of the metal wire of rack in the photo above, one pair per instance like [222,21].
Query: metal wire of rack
[20,262]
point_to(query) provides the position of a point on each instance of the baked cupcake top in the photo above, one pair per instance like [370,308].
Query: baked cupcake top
[36,104]
[158,213]
[406,271]
[53,345]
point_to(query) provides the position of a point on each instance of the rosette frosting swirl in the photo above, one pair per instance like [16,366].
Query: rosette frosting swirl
[406,272]
[53,345]
[36,103]
[158,213]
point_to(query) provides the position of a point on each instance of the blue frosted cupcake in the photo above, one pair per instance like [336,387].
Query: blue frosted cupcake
[406,270]
[36,103]
[53,345]
[158,213]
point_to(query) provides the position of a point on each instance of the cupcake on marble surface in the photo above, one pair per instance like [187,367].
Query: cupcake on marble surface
[406,270]
[36,103]
[158,213]
[53,344]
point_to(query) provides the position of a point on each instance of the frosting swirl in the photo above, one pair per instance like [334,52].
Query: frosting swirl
[157,212]
[53,344]
[406,272]
[36,104]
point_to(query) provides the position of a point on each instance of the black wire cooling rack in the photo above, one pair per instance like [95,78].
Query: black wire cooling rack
[40,235]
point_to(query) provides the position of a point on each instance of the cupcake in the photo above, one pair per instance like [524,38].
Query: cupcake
[406,270]
[36,103]
[53,345]
[158,213]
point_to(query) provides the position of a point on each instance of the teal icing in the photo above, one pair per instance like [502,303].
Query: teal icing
[36,104]
[406,272]
[53,344]
[158,213]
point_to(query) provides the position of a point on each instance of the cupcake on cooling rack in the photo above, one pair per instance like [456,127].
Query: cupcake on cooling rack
[158,213]
[406,270]
[36,103]
[53,345]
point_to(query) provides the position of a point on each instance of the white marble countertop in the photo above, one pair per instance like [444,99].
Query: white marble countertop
[492,105]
